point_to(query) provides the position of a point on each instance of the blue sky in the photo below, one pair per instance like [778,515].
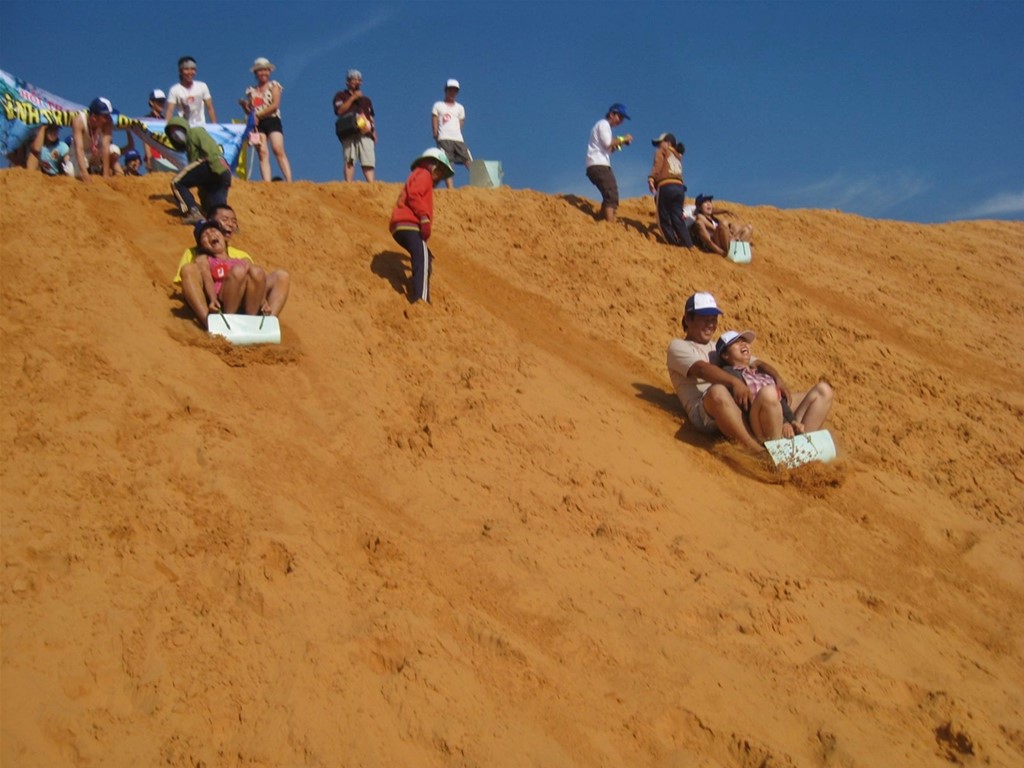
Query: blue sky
[888,109]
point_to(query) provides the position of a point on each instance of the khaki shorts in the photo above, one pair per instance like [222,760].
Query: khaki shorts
[359,150]
[701,421]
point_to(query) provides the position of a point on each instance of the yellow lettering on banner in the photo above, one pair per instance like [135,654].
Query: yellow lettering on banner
[162,139]
[57,117]
[28,113]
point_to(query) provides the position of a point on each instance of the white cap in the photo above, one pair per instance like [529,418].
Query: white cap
[156,94]
[730,337]
[702,304]
[452,83]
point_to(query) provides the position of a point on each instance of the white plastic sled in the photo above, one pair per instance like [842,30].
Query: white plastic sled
[739,252]
[245,329]
[801,449]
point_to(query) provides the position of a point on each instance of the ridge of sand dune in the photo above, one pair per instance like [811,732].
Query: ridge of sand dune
[478,536]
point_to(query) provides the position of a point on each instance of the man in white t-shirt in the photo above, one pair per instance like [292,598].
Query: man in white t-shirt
[600,146]
[189,96]
[447,119]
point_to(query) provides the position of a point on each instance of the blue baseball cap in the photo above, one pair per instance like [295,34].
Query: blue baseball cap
[100,106]
[130,155]
[204,225]
[619,109]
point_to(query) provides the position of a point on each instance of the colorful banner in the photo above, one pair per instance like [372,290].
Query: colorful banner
[23,108]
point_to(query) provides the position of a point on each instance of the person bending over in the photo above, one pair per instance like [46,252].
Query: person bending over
[207,170]
[412,217]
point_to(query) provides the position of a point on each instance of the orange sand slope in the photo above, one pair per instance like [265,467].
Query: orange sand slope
[477,535]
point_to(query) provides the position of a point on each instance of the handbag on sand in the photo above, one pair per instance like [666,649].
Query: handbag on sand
[739,252]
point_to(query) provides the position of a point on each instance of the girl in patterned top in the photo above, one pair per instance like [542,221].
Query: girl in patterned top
[264,99]
[769,415]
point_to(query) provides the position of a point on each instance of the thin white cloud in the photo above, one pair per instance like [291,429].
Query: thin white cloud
[296,62]
[869,195]
[630,173]
[997,205]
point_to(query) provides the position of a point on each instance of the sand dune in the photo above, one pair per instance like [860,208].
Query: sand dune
[479,535]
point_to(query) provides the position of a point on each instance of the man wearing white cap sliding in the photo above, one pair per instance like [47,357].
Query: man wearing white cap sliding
[715,400]
[447,119]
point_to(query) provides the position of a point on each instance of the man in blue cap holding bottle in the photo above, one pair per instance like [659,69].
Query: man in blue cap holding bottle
[599,158]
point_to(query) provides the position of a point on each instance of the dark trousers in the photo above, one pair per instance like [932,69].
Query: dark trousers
[212,187]
[670,199]
[422,258]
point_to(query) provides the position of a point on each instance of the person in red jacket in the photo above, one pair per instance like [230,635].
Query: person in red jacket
[411,220]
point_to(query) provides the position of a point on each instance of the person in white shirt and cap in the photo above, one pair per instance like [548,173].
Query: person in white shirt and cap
[447,118]
[600,146]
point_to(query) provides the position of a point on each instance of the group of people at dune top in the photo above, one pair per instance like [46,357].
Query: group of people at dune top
[723,388]
[704,228]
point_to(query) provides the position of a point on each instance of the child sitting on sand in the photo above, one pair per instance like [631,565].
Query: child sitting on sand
[227,282]
[769,416]
[712,234]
